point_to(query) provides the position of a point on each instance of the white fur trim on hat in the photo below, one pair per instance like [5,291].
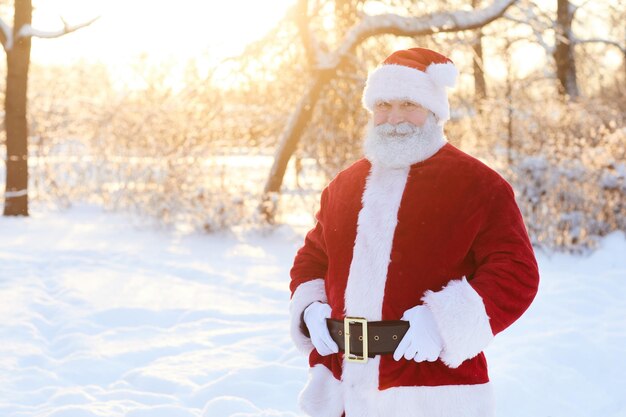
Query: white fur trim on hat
[444,75]
[305,294]
[462,320]
[398,82]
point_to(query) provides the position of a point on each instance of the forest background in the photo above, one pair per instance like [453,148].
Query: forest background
[224,138]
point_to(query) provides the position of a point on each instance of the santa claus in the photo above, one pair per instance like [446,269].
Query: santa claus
[419,257]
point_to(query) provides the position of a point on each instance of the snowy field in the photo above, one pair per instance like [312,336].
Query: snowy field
[101,317]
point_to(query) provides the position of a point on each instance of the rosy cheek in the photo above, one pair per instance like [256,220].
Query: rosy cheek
[419,118]
[380,118]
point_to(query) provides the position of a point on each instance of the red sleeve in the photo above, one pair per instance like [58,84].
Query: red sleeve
[311,261]
[469,312]
[507,276]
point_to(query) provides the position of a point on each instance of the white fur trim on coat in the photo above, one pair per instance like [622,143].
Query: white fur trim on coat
[371,255]
[367,278]
[305,294]
[322,396]
[397,82]
[462,321]
[325,396]
[439,401]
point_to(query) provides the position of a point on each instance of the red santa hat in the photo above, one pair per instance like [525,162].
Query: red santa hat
[417,74]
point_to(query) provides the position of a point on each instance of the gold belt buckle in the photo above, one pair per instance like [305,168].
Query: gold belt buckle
[350,357]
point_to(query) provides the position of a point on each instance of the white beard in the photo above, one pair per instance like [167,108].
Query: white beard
[404,144]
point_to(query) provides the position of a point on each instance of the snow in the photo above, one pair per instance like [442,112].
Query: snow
[29,31]
[7,31]
[105,317]
[370,25]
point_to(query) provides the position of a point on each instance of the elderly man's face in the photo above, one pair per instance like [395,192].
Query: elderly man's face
[399,111]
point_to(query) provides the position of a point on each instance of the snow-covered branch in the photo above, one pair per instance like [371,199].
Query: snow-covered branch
[6,35]
[29,31]
[415,26]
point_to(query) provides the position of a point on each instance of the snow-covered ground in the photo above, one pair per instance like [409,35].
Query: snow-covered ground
[101,317]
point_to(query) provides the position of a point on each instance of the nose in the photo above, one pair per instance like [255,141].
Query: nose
[395,116]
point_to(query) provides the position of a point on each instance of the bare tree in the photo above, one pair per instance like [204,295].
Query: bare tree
[16,42]
[480,85]
[327,65]
[564,50]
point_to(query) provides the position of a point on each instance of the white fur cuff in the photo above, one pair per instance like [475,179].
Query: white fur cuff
[305,294]
[462,321]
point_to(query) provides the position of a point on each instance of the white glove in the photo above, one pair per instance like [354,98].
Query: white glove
[315,317]
[422,342]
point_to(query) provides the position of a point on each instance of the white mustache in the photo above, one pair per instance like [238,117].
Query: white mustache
[401,145]
[396,131]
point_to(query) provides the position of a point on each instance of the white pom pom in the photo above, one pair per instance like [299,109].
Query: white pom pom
[444,75]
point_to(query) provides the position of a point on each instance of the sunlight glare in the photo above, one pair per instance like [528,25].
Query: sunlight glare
[155,30]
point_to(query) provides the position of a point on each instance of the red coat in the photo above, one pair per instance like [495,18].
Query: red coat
[446,233]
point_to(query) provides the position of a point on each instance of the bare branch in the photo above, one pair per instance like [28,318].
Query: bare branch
[28,31]
[605,41]
[539,12]
[252,47]
[309,42]
[538,35]
[314,49]
[580,6]
[416,26]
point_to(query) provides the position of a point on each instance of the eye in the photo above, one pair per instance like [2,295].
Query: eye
[410,105]
[383,105]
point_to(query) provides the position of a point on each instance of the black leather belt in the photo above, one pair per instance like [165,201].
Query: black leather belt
[383,337]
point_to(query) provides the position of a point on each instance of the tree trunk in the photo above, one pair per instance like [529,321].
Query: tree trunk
[345,17]
[18,60]
[480,86]
[289,142]
[564,51]
[509,107]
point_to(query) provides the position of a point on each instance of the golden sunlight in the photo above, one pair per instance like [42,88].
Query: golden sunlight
[157,31]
